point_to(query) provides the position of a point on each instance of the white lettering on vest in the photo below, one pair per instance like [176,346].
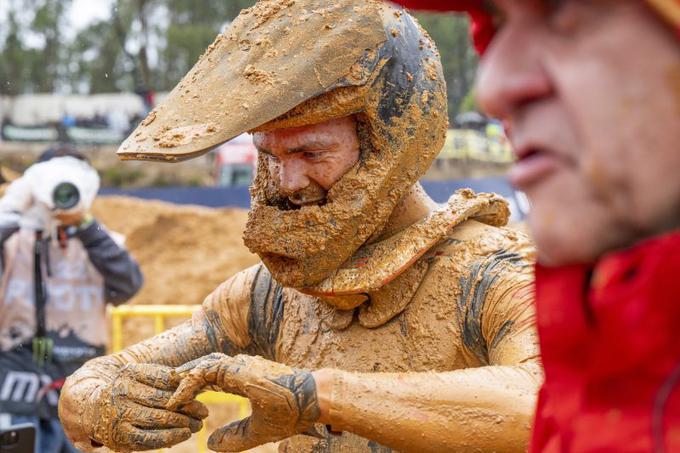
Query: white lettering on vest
[22,386]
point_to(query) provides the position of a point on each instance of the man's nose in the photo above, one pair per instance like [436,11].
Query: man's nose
[292,176]
[511,75]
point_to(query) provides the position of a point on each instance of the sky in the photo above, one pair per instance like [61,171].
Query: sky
[81,14]
[84,12]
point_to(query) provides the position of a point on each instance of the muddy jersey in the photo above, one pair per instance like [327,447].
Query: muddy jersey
[468,304]
[78,282]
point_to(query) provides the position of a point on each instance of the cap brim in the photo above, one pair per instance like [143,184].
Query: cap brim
[267,63]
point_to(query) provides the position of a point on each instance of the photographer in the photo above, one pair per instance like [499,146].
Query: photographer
[58,269]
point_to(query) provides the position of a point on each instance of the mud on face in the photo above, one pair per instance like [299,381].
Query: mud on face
[303,163]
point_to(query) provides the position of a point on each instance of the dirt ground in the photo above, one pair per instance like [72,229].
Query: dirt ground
[184,252]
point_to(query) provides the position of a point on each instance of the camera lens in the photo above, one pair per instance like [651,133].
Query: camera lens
[65,196]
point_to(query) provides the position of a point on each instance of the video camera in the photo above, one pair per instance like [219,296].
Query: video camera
[65,196]
[63,184]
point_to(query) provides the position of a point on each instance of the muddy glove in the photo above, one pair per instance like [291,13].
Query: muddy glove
[125,409]
[283,399]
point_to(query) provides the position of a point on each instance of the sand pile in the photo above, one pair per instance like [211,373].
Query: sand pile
[184,252]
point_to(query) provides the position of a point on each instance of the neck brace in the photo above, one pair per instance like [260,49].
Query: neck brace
[381,278]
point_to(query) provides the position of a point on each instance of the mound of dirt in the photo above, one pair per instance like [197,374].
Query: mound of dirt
[184,251]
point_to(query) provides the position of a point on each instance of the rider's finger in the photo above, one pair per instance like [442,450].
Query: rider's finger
[153,418]
[241,435]
[157,376]
[151,439]
[190,387]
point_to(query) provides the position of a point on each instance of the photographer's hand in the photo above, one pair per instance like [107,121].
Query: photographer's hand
[18,199]
[76,219]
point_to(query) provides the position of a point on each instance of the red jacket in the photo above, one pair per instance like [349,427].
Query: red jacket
[610,341]
[610,335]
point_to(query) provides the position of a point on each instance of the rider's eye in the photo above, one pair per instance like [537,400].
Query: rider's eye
[311,155]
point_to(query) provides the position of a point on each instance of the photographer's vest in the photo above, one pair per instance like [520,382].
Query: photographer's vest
[75,320]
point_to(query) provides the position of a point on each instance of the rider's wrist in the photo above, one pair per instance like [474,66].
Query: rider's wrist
[324,389]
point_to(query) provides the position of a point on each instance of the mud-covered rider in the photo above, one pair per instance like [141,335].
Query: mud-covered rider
[377,320]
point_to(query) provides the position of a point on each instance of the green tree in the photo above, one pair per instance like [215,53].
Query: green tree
[193,26]
[99,61]
[46,62]
[37,68]
[151,44]
[452,36]
[13,61]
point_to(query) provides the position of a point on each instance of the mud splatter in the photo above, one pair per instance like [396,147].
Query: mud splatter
[256,76]
[262,62]
[491,406]
[183,135]
[149,119]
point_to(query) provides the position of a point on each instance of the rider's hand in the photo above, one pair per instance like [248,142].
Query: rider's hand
[283,399]
[124,409]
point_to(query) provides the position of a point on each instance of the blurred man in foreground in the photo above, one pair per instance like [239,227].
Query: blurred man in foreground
[58,269]
[376,319]
[589,91]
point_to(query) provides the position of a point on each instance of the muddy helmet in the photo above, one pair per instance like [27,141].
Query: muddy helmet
[288,63]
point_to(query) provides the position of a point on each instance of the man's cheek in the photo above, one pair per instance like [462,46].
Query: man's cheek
[325,176]
[275,173]
[564,215]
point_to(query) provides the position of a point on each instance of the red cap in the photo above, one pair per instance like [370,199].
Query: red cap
[483,27]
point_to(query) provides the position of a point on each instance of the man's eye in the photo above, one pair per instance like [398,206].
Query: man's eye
[553,3]
[565,15]
[311,155]
[272,158]
[554,6]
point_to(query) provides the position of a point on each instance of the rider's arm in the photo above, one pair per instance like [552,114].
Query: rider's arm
[220,325]
[121,273]
[488,408]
